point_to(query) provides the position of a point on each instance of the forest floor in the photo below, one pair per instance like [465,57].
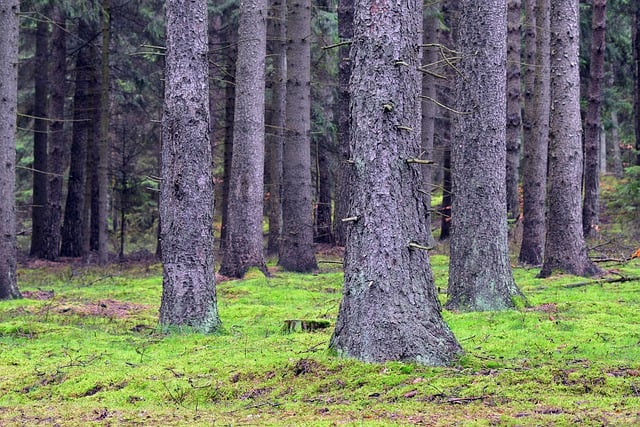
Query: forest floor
[83,348]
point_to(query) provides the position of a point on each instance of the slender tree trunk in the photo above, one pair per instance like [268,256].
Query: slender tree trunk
[277,30]
[593,121]
[565,248]
[390,308]
[534,166]
[614,143]
[323,230]
[57,137]
[104,148]
[429,108]
[9,22]
[514,107]
[480,276]
[244,228]
[296,249]
[40,133]
[341,211]
[187,189]
[72,228]
[528,75]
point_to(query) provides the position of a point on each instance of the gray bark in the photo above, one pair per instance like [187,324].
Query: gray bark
[614,144]
[565,249]
[104,148]
[57,137]
[345,33]
[296,249]
[534,165]
[593,121]
[514,107]
[277,30]
[390,308]
[9,10]
[187,189]
[480,276]
[244,227]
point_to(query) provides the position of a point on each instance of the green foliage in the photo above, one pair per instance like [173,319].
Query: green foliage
[84,349]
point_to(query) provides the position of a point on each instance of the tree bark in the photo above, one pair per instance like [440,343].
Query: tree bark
[296,249]
[565,249]
[40,134]
[9,22]
[514,107]
[104,148]
[614,144]
[277,30]
[72,228]
[341,195]
[244,227]
[57,137]
[390,308]
[187,190]
[593,121]
[636,61]
[480,276]
[534,165]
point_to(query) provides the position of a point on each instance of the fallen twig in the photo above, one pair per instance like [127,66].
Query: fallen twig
[602,281]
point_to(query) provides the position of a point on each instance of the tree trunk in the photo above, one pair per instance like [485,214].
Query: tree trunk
[322,228]
[565,248]
[514,117]
[480,276]
[277,30]
[429,109]
[296,249]
[72,228]
[636,61]
[187,190]
[614,144]
[57,137]
[528,75]
[9,22]
[593,121]
[534,165]
[104,148]
[390,308]
[40,133]
[244,227]
[341,195]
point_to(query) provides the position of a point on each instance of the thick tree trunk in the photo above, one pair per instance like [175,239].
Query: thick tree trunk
[534,165]
[390,308]
[187,190]
[296,249]
[341,194]
[277,31]
[514,107]
[57,137]
[528,74]
[40,133]
[565,248]
[244,227]
[104,147]
[480,276]
[9,22]
[72,228]
[593,122]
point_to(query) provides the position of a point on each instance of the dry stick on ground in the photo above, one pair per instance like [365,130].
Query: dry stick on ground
[602,281]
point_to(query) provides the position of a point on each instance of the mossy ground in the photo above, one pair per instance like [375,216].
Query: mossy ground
[83,348]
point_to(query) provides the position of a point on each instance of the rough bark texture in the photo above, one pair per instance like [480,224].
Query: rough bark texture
[296,249]
[55,159]
[277,30]
[636,60]
[593,121]
[72,228]
[9,10]
[187,191]
[514,107]
[40,131]
[534,164]
[244,227]
[528,72]
[480,276]
[565,248]
[390,308]
[104,147]
[345,33]
[429,108]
